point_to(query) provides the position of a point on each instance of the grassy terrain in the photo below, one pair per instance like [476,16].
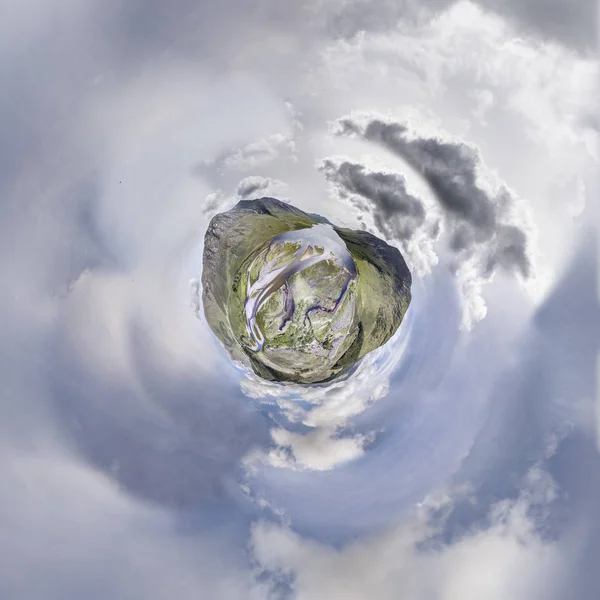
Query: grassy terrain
[308,344]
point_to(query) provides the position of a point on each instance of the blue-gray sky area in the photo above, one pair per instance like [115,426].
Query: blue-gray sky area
[459,461]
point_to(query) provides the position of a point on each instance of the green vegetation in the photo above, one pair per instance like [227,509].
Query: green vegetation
[312,316]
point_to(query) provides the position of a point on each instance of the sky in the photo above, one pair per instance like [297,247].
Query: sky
[458,462]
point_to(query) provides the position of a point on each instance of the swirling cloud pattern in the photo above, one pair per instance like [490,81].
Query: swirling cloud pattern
[460,460]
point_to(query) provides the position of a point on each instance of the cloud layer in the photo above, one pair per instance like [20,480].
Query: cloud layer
[138,461]
[473,215]
[476,215]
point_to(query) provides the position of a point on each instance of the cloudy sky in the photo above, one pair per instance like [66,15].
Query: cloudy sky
[459,462]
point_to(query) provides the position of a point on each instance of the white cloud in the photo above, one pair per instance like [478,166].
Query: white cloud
[81,535]
[506,559]
[107,114]
[325,410]
[484,100]
[318,450]
[539,132]
[262,152]
[257,154]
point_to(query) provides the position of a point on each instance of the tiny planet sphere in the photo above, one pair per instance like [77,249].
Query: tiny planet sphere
[296,298]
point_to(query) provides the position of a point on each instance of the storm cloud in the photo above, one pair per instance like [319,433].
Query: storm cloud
[397,213]
[476,218]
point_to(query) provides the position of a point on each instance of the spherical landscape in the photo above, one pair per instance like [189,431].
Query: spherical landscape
[296,298]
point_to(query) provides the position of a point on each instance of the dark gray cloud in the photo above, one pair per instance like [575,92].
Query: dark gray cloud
[475,217]
[397,213]
[252,186]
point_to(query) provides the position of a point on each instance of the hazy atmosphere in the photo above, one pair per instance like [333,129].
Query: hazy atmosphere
[459,460]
